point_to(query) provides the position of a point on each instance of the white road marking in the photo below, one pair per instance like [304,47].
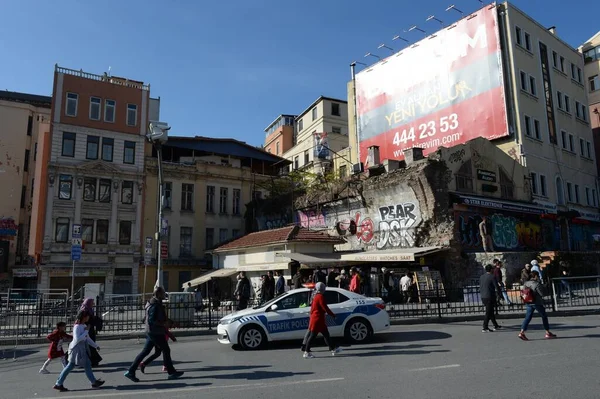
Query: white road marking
[447,366]
[193,389]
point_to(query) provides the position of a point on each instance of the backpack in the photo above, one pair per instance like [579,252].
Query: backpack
[527,295]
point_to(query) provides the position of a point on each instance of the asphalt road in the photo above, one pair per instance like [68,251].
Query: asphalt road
[427,361]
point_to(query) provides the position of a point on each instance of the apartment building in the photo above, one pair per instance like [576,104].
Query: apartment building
[23,118]
[591,59]
[92,176]
[207,182]
[279,135]
[321,132]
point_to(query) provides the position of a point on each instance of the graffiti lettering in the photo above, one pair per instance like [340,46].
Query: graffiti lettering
[396,228]
[457,156]
[504,231]
[275,224]
[8,227]
[468,231]
[312,219]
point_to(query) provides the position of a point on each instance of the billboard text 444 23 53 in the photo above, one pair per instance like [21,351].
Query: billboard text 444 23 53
[443,91]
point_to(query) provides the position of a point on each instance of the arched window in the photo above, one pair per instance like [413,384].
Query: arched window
[507,187]
[560,191]
[464,177]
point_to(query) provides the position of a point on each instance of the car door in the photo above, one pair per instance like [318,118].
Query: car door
[341,306]
[290,319]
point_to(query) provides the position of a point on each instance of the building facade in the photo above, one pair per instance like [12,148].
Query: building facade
[591,59]
[24,118]
[208,183]
[279,136]
[94,178]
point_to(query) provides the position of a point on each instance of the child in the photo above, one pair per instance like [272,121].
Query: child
[56,346]
[157,353]
[317,323]
[79,353]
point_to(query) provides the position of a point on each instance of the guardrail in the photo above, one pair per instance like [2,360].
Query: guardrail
[576,292]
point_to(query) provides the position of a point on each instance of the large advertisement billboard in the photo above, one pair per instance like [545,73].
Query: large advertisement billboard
[442,91]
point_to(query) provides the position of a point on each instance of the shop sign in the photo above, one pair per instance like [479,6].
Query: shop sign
[24,272]
[373,257]
[501,205]
[486,175]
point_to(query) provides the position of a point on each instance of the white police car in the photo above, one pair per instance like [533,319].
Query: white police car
[286,318]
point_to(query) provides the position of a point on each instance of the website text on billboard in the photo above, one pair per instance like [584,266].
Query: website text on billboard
[442,91]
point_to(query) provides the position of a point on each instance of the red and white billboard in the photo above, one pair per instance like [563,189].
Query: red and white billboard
[442,91]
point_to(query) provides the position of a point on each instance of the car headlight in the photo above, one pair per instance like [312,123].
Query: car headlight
[229,321]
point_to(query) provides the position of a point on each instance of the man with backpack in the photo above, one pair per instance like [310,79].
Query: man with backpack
[533,297]
[489,291]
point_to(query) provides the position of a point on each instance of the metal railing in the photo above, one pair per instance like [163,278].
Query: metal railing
[576,292]
[102,78]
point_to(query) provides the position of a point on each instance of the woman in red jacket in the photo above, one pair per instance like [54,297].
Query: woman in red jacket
[317,323]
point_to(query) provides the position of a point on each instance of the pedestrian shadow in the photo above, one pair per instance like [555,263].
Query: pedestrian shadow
[148,387]
[409,352]
[410,336]
[571,337]
[256,375]
[116,367]
[388,347]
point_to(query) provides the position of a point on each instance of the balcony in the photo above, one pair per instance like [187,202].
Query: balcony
[103,78]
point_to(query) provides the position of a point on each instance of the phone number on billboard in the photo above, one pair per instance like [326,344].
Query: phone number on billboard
[426,130]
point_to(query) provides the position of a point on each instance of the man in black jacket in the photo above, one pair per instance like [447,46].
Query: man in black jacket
[156,330]
[489,289]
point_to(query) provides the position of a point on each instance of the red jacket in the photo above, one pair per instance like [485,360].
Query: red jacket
[355,284]
[317,314]
[56,346]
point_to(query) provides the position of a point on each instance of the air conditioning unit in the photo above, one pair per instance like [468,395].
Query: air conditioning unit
[358,168]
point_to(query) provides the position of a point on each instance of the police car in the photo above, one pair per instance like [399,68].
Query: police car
[286,318]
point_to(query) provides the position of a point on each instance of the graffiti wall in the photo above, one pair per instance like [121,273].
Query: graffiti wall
[509,232]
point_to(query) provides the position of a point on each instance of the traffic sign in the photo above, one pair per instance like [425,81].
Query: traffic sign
[76,231]
[164,250]
[76,252]
[148,251]
[76,243]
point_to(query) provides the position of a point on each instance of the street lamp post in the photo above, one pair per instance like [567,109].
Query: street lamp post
[158,136]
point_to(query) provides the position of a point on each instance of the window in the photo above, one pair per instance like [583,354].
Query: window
[107,149]
[300,125]
[589,149]
[594,198]
[536,129]
[532,86]
[569,192]
[563,136]
[210,199]
[235,233]
[571,143]
[523,81]
[567,104]
[87,230]
[343,171]
[62,230]
[29,125]
[71,108]
[294,301]
[555,59]
[129,153]
[527,41]
[23,195]
[277,148]
[314,113]
[210,238]
[306,157]
[336,129]
[582,147]
[580,111]
[168,195]
[559,98]
[109,110]
[237,199]
[519,35]
[223,235]
[104,190]
[594,83]
[32,186]
[224,192]
[35,152]
[68,144]
[335,109]
[93,143]
[334,297]
[65,187]
[577,193]
[560,191]
[124,232]
[588,196]
[256,195]
[26,163]
[131,114]
[101,231]
[89,189]
[296,162]
[543,186]
[534,186]
[562,64]
[187,197]
[95,105]
[185,242]
[528,131]
[184,277]
[127,192]
[576,73]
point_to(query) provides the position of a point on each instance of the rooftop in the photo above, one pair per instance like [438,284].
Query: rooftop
[318,100]
[135,84]
[31,99]
[284,235]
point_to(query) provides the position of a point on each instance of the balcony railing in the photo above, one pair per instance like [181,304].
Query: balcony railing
[102,78]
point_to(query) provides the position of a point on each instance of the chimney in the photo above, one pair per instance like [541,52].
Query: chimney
[374,156]
[552,30]
[413,154]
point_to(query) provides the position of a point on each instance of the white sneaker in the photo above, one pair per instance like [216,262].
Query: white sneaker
[308,355]
[44,371]
[336,351]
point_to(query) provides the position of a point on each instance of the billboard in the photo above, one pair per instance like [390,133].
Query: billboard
[321,145]
[442,91]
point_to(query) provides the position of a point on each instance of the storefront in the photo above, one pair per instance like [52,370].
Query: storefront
[25,278]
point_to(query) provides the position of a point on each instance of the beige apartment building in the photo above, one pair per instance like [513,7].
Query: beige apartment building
[321,132]
[591,59]
[23,118]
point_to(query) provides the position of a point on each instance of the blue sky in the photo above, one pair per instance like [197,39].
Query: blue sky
[228,68]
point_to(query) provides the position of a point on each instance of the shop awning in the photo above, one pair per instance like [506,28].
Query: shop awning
[263,267]
[506,205]
[392,255]
[217,273]
[308,259]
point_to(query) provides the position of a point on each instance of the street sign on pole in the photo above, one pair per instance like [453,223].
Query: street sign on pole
[76,243]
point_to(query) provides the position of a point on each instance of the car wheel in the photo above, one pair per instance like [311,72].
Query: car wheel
[252,337]
[358,331]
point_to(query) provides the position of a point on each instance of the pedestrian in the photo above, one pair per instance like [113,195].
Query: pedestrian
[534,300]
[55,351]
[242,291]
[355,282]
[485,231]
[79,353]
[280,285]
[332,278]
[317,324]
[156,331]
[198,300]
[319,276]
[297,280]
[157,353]
[489,291]
[189,288]
[94,325]
[535,267]
[271,285]
[500,279]
[525,273]
[565,272]
[343,280]
[405,284]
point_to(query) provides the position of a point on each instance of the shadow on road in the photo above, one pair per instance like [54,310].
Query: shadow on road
[256,375]
[159,385]
[410,336]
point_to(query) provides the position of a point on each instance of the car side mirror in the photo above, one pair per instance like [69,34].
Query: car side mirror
[274,308]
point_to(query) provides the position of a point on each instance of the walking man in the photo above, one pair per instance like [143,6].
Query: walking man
[156,332]
[537,289]
[280,286]
[485,231]
[500,277]
[489,289]
[242,291]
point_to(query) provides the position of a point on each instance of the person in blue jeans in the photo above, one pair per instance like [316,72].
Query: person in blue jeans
[536,286]
[79,353]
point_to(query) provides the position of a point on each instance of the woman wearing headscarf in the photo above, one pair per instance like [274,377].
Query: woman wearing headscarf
[317,323]
[94,324]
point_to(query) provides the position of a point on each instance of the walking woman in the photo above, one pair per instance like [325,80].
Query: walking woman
[317,323]
[79,354]
[94,325]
